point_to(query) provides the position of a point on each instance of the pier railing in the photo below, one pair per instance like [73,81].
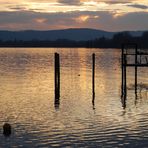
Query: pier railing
[131,56]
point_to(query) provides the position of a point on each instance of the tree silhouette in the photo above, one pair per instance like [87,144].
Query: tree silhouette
[115,42]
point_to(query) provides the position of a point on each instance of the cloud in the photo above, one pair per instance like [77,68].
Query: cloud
[67,2]
[114,1]
[18,7]
[73,5]
[138,6]
[42,1]
[23,20]
[70,2]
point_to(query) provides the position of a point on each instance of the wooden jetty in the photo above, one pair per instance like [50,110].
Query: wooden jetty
[131,56]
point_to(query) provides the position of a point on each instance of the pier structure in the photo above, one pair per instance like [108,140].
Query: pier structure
[131,56]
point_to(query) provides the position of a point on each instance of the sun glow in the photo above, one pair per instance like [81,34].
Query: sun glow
[53,14]
[85,5]
[40,20]
[83,18]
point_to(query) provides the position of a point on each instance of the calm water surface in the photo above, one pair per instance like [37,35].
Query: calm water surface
[27,100]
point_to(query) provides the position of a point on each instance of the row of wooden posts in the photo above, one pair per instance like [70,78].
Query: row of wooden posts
[124,68]
[57,78]
[124,65]
[136,63]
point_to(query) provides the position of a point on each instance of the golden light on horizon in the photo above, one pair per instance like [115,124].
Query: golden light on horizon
[82,18]
[41,20]
[62,14]
[119,14]
[55,6]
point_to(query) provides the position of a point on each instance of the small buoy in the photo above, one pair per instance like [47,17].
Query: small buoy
[7,129]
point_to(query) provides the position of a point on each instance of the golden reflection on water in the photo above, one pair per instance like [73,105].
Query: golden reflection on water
[82,58]
[27,98]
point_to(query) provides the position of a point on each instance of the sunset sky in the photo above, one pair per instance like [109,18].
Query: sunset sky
[109,15]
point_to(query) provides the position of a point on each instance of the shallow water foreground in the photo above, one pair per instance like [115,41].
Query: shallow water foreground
[27,100]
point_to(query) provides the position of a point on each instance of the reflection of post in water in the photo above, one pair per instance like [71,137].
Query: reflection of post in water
[123,100]
[136,98]
[57,79]
[93,79]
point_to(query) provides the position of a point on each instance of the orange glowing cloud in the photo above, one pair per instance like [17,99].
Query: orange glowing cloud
[82,18]
[58,14]
[40,20]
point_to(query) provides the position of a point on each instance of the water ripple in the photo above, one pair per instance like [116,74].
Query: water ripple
[27,100]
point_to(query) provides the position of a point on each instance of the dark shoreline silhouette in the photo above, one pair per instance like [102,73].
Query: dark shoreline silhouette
[114,42]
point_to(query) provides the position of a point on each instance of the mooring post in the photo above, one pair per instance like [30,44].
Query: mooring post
[57,78]
[122,68]
[125,86]
[93,77]
[136,52]
[7,129]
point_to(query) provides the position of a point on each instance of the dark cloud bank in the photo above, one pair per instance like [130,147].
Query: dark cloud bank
[23,20]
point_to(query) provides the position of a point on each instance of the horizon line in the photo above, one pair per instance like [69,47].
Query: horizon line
[24,30]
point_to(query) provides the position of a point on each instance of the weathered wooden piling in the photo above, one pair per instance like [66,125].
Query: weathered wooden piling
[57,78]
[124,62]
[122,68]
[93,78]
[136,62]
[125,84]
[7,129]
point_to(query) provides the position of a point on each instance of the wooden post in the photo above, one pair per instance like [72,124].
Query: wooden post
[122,67]
[7,129]
[125,86]
[57,79]
[93,77]
[136,69]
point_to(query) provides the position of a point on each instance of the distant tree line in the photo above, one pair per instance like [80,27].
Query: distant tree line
[102,42]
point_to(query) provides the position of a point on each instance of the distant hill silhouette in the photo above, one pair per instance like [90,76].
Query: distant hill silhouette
[81,34]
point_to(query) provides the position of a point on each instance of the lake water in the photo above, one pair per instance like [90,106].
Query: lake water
[27,100]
